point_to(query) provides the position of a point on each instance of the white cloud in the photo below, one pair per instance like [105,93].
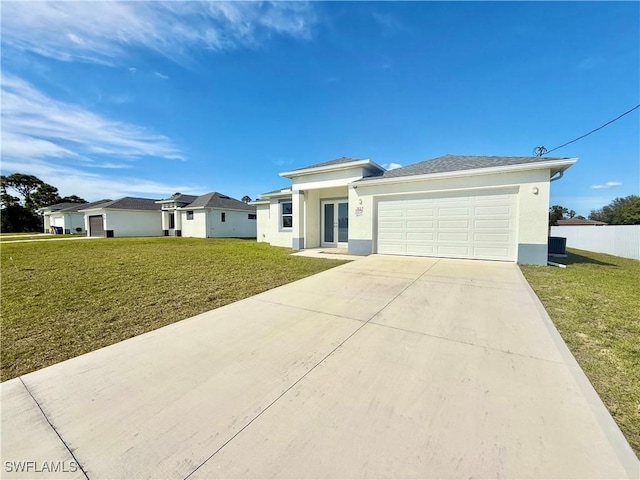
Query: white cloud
[133,70]
[161,76]
[94,186]
[37,126]
[104,32]
[606,185]
[391,166]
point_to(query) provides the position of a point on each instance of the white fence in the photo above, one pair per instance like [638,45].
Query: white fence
[618,240]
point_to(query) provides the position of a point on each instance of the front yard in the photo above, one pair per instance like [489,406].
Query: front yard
[595,305]
[63,299]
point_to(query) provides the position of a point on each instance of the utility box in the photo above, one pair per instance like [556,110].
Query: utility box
[557,246]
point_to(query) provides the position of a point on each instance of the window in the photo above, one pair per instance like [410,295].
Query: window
[189,214]
[223,217]
[172,221]
[286,212]
[252,216]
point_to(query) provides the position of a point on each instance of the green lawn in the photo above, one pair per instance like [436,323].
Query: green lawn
[63,299]
[595,305]
[32,236]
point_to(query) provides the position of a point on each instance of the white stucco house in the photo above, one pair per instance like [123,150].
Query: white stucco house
[213,215]
[125,217]
[66,216]
[475,207]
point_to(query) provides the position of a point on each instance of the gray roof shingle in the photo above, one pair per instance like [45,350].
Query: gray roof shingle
[218,200]
[60,206]
[84,206]
[129,203]
[454,163]
[182,198]
[337,161]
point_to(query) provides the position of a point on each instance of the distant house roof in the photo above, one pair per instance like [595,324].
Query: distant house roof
[128,203]
[455,163]
[83,206]
[579,221]
[186,199]
[218,200]
[59,206]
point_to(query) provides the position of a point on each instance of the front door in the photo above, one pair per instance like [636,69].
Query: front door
[335,223]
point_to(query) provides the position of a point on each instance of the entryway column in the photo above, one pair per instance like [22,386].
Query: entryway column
[178,222]
[297,204]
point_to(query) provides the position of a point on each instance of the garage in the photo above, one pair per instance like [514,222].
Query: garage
[471,224]
[96,226]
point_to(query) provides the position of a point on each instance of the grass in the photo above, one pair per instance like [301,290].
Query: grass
[63,299]
[33,236]
[5,234]
[595,305]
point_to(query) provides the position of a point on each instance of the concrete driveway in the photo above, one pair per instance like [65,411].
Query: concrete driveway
[386,367]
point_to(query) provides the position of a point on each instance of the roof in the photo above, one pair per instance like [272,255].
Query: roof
[83,206]
[274,193]
[218,200]
[337,161]
[279,190]
[60,206]
[127,203]
[455,163]
[579,221]
[180,198]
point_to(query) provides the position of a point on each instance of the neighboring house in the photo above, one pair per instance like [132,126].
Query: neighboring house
[171,218]
[569,222]
[476,207]
[208,216]
[66,216]
[125,217]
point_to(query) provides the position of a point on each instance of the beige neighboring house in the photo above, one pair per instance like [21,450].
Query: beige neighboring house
[66,216]
[457,206]
[212,215]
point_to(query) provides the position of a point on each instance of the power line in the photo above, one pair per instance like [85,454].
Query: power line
[541,150]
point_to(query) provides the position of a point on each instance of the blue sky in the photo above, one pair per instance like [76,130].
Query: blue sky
[112,99]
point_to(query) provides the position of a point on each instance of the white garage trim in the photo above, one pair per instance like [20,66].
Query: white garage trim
[463,224]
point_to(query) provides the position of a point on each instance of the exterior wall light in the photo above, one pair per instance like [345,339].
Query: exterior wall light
[535,190]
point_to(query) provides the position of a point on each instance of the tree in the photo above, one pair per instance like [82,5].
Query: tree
[621,211]
[25,185]
[19,213]
[73,199]
[44,196]
[556,213]
[246,199]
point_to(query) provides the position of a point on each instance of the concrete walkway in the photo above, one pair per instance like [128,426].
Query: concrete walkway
[385,367]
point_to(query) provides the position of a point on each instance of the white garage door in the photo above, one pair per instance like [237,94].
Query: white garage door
[468,225]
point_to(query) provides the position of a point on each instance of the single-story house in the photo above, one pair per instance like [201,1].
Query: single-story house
[575,222]
[207,216]
[66,216]
[125,217]
[476,207]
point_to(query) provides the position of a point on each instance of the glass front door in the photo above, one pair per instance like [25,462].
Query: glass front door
[335,223]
